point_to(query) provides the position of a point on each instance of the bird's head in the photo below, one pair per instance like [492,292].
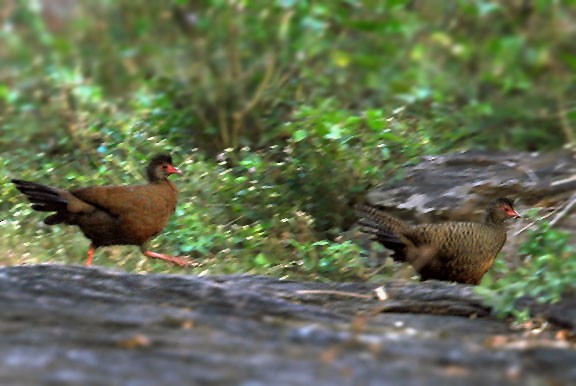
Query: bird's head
[160,167]
[501,210]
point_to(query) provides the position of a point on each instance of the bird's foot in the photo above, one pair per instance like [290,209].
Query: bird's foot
[88,262]
[180,261]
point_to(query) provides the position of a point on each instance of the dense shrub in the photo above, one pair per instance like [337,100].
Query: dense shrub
[544,275]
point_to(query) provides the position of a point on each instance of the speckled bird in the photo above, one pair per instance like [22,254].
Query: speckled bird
[451,251]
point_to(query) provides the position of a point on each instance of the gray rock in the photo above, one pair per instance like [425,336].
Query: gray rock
[457,186]
[64,325]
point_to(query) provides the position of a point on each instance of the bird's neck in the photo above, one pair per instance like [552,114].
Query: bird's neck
[158,181]
[490,219]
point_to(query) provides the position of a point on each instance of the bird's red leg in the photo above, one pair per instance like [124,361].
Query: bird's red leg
[90,256]
[182,262]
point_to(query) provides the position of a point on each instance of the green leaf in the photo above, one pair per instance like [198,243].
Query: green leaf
[300,135]
[261,260]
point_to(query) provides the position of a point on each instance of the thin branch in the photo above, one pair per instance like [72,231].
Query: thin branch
[374,272]
[537,220]
[564,122]
[571,203]
[233,221]
[238,116]
[339,293]
[565,207]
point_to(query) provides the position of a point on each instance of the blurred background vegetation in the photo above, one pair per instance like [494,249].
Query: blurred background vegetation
[281,113]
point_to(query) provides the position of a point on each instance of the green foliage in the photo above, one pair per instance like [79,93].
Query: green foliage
[547,272]
[228,74]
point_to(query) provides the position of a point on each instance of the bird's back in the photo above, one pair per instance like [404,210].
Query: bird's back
[452,251]
[461,251]
[107,215]
[126,215]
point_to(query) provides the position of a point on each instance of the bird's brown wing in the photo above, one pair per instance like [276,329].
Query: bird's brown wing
[116,200]
[142,210]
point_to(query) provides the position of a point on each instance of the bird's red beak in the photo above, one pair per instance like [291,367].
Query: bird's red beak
[173,170]
[512,213]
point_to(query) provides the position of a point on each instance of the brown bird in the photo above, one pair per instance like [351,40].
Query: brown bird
[451,251]
[113,215]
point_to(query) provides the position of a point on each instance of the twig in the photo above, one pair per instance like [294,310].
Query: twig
[566,205]
[563,181]
[571,203]
[238,116]
[564,122]
[224,134]
[331,292]
[374,272]
[233,221]
[537,220]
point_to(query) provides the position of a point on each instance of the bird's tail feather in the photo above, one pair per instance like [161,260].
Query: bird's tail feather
[384,228]
[43,198]
[373,217]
